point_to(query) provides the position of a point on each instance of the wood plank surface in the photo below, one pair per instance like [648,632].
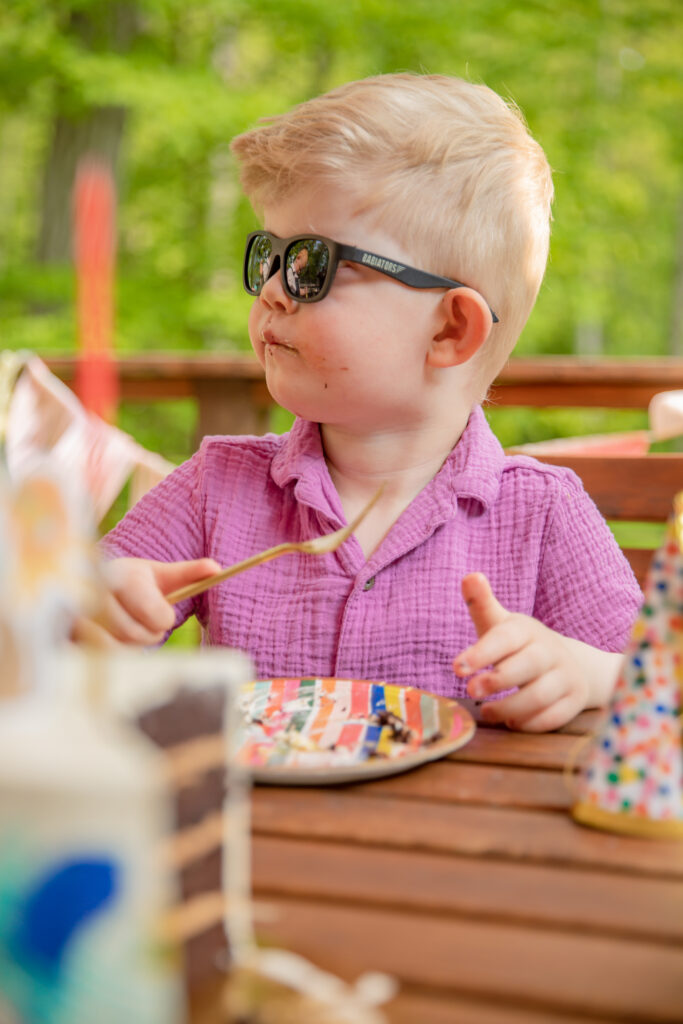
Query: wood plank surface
[574,394]
[547,381]
[413,1006]
[540,967]
[639,559]
[587,722]
[470,882]
[630,487]
[542,837]
[539,381]
[575,900]
[584,723]
[423,1008]
[171,366]
[528,750]
[451,782]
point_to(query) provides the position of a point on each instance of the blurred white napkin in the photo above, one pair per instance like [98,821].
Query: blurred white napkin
[666,415]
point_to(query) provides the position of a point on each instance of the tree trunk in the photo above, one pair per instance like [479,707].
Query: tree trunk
[96,133]
[79,130]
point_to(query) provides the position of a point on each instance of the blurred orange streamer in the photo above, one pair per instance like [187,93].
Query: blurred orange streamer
[94,252]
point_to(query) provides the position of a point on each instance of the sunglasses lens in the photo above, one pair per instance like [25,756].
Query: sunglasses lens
[307,264]
[257,266]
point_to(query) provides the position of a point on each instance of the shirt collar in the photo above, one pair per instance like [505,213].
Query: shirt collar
[300,460]
[472,470]
[476,463]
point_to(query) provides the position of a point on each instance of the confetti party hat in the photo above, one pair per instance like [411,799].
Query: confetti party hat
[633,776]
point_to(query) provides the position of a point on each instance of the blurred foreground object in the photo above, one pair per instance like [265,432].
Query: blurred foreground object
[94,203]
[41,417]
[84,803]
[124,815]
[633,777]
[84,807]
[184,705]
[47,574]
[104,837]
[273,986]
[666,415]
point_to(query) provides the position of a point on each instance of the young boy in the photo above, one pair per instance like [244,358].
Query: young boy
[423,205]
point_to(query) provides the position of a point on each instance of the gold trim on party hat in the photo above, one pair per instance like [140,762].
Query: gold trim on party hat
[617,821]
[678,520]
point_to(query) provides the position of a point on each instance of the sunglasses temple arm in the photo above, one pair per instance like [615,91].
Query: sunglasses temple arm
[406,275]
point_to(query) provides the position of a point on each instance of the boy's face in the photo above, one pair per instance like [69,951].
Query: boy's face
[356,359]
[301,259]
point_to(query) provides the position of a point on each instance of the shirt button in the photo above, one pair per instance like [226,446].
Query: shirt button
[369,584]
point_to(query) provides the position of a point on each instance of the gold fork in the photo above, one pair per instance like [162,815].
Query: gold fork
[317,546]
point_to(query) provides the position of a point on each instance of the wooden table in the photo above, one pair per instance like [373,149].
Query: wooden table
[468,881]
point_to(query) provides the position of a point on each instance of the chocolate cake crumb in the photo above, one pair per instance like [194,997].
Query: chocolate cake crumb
[399,729]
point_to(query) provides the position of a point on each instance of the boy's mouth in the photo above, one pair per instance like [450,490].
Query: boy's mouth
[269,338]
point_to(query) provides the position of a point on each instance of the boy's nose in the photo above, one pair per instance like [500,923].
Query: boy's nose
[273,294]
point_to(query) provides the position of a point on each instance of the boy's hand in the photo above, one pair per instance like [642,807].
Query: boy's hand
[557,676]
[134,609]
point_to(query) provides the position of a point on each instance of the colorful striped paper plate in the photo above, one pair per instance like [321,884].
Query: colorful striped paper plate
[320,731]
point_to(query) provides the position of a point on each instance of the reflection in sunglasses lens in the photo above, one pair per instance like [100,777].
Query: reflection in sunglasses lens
[258,263]
[307,264]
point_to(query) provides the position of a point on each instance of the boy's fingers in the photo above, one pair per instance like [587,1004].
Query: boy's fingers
[124,626]
[91,634]
[494,648]
[134,590]
[485,611]
[134,609]
[527,702]
[148,607]
[552,717]
[172,575]
[513,667]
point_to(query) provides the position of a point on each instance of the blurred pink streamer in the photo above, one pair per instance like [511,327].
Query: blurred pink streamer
[94,201]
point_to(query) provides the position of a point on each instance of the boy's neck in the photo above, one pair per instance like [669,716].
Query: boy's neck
[404,460]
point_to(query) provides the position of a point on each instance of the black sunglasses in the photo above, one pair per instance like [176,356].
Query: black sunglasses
[308,264]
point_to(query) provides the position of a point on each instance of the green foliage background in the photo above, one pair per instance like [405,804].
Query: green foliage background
[598,80]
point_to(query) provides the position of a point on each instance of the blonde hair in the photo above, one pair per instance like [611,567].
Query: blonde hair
[448,168]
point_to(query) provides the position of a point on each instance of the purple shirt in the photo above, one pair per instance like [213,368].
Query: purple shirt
[399,616]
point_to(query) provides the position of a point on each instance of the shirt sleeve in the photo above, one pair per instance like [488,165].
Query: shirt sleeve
[586,587]
[166,525]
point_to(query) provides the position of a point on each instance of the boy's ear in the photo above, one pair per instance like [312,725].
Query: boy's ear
[466,324]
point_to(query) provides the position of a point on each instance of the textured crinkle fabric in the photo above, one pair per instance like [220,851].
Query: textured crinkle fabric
[399,616]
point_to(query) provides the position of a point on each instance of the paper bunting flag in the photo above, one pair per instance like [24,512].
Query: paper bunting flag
[633,777]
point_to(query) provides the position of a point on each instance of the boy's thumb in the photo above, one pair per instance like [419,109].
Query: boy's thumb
[485,610]
[172,575]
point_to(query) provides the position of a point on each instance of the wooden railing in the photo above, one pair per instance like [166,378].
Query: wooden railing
[547,381]
[232,398]
[230,390]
